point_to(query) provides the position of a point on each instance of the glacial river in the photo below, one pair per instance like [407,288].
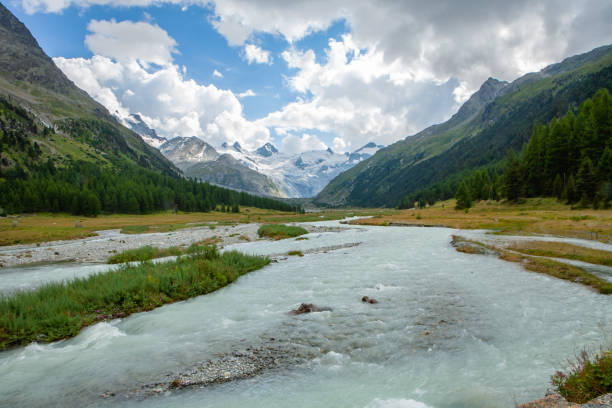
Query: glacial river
[450,330]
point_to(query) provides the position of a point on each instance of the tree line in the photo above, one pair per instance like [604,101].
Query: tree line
[569,158]
[83,188]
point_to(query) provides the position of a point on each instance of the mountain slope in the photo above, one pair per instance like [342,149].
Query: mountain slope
[70,124]
[229,172]
[495,118]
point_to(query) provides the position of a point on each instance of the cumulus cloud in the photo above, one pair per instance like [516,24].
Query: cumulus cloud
[255,54]
[127,40]
[293,144]
[167,102]
[358,97]
[217,74]
[404,65]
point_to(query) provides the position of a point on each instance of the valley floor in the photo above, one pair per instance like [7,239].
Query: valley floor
[539,216]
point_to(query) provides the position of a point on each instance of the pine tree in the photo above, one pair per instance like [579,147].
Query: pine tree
[570,190]
[585,180]
[464,200]
[557,187]
[513,177]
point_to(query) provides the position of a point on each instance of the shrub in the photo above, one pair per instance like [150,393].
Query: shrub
[588,377]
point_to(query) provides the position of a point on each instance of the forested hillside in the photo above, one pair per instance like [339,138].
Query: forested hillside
[569,158]
[432,163]
[60,151]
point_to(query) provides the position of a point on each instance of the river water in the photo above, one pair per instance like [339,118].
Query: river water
[450,330]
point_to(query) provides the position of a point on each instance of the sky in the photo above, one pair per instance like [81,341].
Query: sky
[303,74]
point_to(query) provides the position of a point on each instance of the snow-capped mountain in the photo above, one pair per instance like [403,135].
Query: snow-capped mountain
[266,170]
[303,174]
[185,151]
[149,135]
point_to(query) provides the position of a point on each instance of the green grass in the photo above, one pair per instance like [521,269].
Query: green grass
[145,253]
[61,309]
[280,231]
[295,253]
[587,378]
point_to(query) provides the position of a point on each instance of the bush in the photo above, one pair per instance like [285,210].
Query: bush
[588,377]
[280,231]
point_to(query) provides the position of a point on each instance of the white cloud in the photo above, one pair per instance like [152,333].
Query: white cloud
[255,54]
[358,97]
[217,74]
[248,92]
[293,144]
[404,66]
[128,40]
[167,102]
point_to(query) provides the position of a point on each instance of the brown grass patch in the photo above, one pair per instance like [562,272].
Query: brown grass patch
[32,228]
[542,265]
[564,250]
[535,216]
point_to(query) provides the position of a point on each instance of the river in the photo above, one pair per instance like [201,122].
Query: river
[450,330]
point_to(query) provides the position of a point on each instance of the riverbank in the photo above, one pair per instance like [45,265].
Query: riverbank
[536,216]
[100,248]
[39,228]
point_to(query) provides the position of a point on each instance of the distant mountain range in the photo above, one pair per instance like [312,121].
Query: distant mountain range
[499,116]
[262,171]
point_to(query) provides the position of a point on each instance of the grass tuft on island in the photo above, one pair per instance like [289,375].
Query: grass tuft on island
[60,310]
[587,378]
[280,231]
[535,264]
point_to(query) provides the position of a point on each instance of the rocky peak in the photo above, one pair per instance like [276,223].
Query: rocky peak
[266,150]
[22,59]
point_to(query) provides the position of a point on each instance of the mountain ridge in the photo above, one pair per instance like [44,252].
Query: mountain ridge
[467,140]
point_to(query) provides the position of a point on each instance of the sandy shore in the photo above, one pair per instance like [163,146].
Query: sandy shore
[99,248]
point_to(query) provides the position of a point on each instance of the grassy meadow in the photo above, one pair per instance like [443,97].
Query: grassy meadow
[32,228]
[532,217]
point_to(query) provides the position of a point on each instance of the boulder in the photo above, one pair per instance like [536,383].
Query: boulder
[309,308]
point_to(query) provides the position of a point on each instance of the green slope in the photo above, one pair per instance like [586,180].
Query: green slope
[497,117]
[66,123]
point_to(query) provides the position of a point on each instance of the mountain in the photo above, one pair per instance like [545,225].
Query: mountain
[228,172]
[60,151]
[65,123]
[147,134]
[186,151]
[299,175]
[497,117]
[262,171]
[266,150]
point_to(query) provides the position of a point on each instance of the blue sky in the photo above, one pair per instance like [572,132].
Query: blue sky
[302,74]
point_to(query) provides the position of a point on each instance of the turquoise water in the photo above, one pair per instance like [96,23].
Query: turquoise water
[450,330]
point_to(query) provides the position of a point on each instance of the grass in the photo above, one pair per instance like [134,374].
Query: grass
[534,216]
[295,253]
[144,254]
[588,377]
[540,265]
[60,310]
[564,250]
[43,227]
[276,231]
[148,252]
